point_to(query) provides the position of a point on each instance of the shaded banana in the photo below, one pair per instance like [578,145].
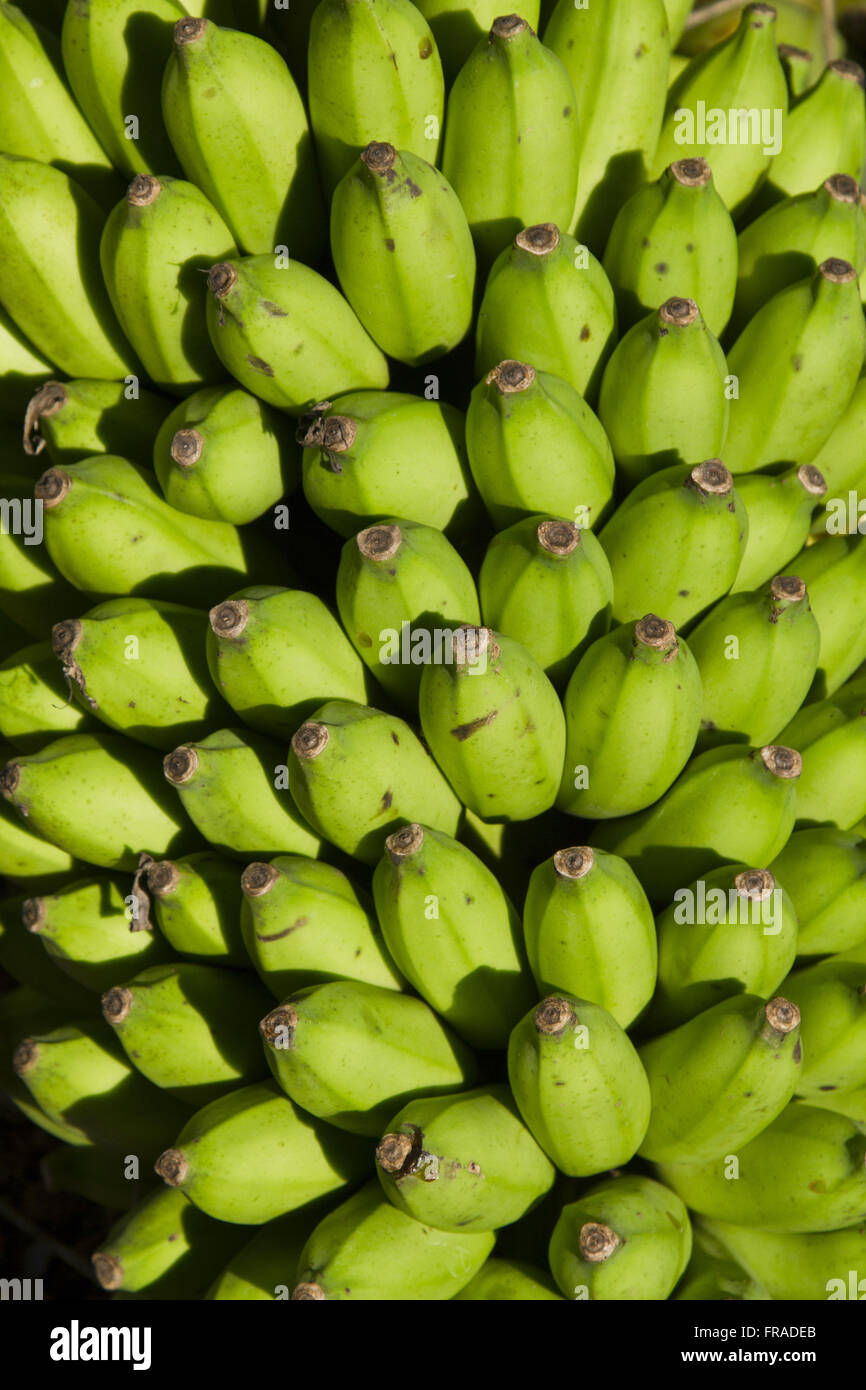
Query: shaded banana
[34,703]
[824,130]
[25,855]
[779,508]
[34,970]
[798,64]
[22,370]
[832,999]
[814,1267]
[840,460]
[25,1009]
[264,1269]
[74,419]
[31,588]
[457,27]
[93,1174]
[712,1275]
[196,901]
[831,736]
[824,871]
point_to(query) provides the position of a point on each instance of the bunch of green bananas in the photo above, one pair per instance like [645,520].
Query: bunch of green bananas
[432,353]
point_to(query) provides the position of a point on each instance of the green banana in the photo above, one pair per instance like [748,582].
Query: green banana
[22,370]
[618,57]
[835,572]
[547,584]
[831,996]
[511,147]
[368,1250]
[358,774]
[286,333]
[729,105]
[757,653]
[500,1281]
[627,1238]
[379,454]
[31,588]
[373,69]
[805,1172]
[849,1103]
[263,1270]
[225,455]
[111,50]
[98,797]
[401,579]
[156,243]
[750,1049]
[796,363]
[674,233]
[664,399]
[463,1162]
[675,544]
[251,1156]
[798,64]
[353,1054]
[108,531]
[403,253]
[712,1276]
[189,1028]
[304,922]
[79,1074]
[34,704]
[826,129]
[824,871]
[87,930]
[589,929]
[50,281]
[632,714]
[22,957]
[734,930]
[457,27]
[273,653]
[164,1249]
[173,696]
[548,299]
[779,508]
[76,419]
[25,1009]
[196,902]
[827,1265]
[731,805]
[840,462]
[502,750]
[24,854]
[453,933]
[232,786]
[831,736]
[579,1085]
[534,445]
[93,1174]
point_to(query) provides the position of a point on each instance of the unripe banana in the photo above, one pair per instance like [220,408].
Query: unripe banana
[627,1238]
[403,253]
[713,1276]
[232,785]
[733,931]
[34,701]
[373,69]
[173,698]
[675,544]
[548,300]
[852,1104]
[251,1156]
[272,653]
[454,934]
[826,129]
[379,454]
[718,1080]
[353,1054]
[547,584]
[287,334]
[502,750]
[50,282]
[93,1174]
[499,1281]
[25,1009]
[801,1267]
[798,65]
[108,531]
[840,462]
[674,234]
[97,796]
[618,58]
[457,27]
[22,370]
[357,774]
[26,855]
[511,137]
[79,1074]
[156,243]
[225,455]
[779,508]
[31,589]
[196,901]
[632,714]
[805,1172]
[831,736]
[369,1250]
[164,1249]
[796,364]
[579,1085]
[835,572]
[534,445]
[742,74]
[589,930]
[731,805]
[402,580]
[824,871]
[111,51]
[264,1269]
[832,999]
[34,969]
[86,929]
[304,922]
[663,398]
[463,1162]
[190,1029]
[757,653]
[76,419]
